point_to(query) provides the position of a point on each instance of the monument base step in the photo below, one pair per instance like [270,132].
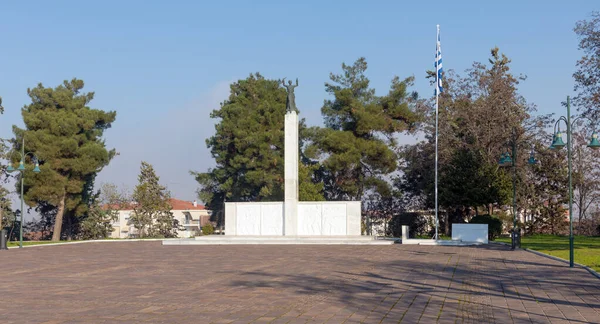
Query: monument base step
[280,240]
[439,242]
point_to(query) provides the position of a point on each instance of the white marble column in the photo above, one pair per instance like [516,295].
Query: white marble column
[291,160]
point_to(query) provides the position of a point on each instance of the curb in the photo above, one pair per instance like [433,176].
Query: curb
[590,270]
[499,243]
[93,241]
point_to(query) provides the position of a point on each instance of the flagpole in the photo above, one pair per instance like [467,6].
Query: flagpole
[437,93]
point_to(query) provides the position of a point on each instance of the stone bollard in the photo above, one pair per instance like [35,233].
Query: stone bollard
[404,232]
[3,239]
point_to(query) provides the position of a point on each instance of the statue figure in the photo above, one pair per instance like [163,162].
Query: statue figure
[290,104]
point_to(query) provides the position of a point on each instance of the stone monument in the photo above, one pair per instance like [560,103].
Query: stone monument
[291,217]
[291,160]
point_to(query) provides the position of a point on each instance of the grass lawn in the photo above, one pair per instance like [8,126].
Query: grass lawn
[587,249]
[440,236]
[31,243]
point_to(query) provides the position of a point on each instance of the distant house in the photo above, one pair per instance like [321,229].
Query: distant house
[190,215]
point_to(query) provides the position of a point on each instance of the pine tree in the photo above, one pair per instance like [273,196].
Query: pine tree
[248,148]
[152,215]
[356,146]
[66,135]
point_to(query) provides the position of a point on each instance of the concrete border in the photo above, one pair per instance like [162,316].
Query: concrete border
[590,270]
[90,241]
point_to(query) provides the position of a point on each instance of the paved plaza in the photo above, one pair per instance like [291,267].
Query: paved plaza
[131,282]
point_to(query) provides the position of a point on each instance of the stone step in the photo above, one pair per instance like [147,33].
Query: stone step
[241,240]
[284,238]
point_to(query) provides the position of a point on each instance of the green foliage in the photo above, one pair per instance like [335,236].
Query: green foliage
[66,135]
[494,224]
[248,147]
[356,146]
[468,180]
[550,180]
[102,212]
[208,229]
[588,67]
[152,215]
[309,189]
[480,114]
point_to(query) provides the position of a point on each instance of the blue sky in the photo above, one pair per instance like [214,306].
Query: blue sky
[164,65]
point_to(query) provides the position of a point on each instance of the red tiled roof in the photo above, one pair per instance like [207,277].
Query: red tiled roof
[184,205]
[176,204]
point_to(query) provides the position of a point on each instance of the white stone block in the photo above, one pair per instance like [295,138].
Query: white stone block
[353,212]
[271,219]
[230,219]
[309,219]
[248,219]
[470,232]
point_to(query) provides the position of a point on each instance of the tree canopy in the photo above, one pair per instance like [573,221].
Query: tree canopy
[66,135]
[587,75]
[248,147]
[356,148]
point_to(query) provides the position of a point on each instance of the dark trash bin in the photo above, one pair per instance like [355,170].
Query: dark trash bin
[516,238]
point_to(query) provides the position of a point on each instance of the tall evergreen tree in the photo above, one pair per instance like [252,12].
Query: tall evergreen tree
[356,146]
[66,135]
[248,148]
[152,214]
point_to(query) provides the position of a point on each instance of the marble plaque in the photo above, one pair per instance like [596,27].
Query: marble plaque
[248,219]
[334,219]
[309,219]
[271,219]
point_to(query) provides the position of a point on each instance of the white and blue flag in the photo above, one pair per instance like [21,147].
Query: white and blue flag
[438,65]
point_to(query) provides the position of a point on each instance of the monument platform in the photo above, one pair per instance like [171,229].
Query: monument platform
[280,240]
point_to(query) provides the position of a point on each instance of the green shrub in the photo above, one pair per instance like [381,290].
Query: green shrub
[208,229]
[494,224]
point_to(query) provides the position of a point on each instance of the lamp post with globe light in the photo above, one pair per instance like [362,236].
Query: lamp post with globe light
[558,143]
[21,168]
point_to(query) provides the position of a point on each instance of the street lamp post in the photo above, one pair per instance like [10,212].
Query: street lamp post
[21,168]
[505,161]
[558,143]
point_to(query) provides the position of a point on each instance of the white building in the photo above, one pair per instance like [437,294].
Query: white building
[190,215]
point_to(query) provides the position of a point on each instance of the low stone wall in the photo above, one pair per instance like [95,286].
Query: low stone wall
[315,218]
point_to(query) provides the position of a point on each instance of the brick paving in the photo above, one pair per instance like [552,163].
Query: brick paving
[133,282]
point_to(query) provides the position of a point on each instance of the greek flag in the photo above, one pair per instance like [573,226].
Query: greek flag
[438,64]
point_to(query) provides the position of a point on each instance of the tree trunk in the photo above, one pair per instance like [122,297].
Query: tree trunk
[1,216]
[447,223]
[59,219]
[69,228]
